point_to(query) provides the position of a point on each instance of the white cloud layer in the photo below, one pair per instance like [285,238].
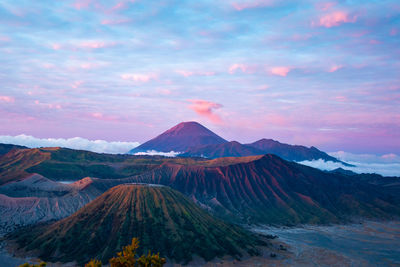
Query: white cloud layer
[365,158]
[158,153]
[386,165]
[99,146]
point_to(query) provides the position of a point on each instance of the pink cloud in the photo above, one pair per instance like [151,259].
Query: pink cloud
[8,99]
[81,4]
[103,117]
[90,65]
[122,5]
[246,4]
[280,71]
[335,68]
[88,44]
[56,46]
[341,98]
[374,42]
[76,84]
[389,156]
[118,6]
[114,21]
[48,65]
[139,77]
[4,39]
[186,73]
[92,44]
[164,92]
[394,32]
[48,105]
[97,115]
[334,19]
[359,34]
[275,119]
[205,108]
[325,6]
[233,68]
[301,37]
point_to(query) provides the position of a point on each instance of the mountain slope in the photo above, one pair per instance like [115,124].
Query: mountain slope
[163,219]
[37,199]
[180,137]
[5,148]
[229,149]
[14,164]
[269,189]
[63,164]
[290,152]
[263,189]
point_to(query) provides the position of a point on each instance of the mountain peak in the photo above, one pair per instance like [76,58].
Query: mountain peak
[188,128]
[181,137]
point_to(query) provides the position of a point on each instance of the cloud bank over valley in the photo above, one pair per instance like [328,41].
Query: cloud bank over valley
[386,165]
[99,146]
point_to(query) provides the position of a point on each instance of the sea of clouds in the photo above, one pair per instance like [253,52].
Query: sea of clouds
[99,146]
[386,165]
[158,153]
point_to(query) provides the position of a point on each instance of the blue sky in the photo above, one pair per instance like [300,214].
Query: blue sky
[307,72]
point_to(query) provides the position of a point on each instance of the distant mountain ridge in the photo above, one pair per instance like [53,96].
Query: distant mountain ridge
[291,152]
[228,149]
[5,148]
[194,140]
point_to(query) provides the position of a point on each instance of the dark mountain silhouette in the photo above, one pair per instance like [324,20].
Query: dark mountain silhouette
[261,147]
[229,149]
[181,137]
[291,152]
[343,171]
[163,219]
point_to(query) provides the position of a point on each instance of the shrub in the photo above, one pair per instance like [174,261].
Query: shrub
[93,263]
[42,264]
[127,258]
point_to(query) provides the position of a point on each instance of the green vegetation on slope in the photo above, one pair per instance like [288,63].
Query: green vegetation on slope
[162,218]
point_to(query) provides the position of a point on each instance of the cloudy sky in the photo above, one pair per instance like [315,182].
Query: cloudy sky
[307,72]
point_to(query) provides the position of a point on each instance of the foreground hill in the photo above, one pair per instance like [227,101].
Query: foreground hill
[163,219]
[180,137]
